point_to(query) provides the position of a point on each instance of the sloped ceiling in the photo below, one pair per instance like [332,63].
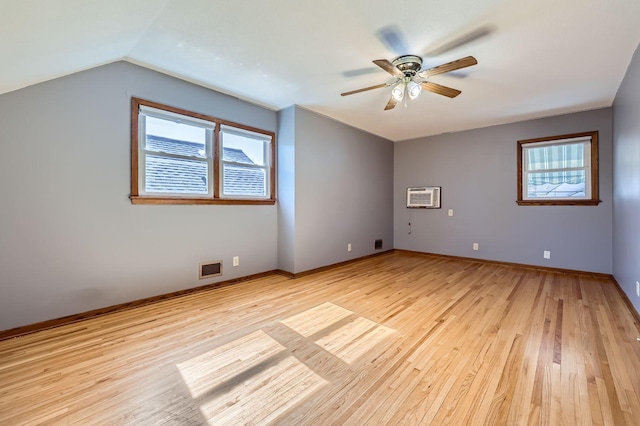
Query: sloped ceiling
[535,57]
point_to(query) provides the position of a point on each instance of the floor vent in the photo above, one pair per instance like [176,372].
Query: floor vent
[378,244]
[210,269]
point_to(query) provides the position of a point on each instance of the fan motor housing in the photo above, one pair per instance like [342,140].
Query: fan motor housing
[408,64]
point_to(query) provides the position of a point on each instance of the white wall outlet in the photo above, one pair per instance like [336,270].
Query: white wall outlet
[349,247]
[638,288]
[546,254]
[450,212]
[476,246]
[236,260]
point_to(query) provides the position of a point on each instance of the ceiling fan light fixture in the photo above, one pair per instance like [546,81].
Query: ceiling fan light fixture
[414,90]
[411,80]
[398,91]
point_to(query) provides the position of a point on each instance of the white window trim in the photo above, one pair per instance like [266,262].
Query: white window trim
[266,150]
[586,144]
[146,111]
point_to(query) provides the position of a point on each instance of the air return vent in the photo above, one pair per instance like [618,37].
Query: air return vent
[378,245]
[210,269]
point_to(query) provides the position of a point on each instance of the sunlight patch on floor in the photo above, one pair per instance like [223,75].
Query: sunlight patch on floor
[213,368]
[266,396]
[250,380]
[255,379]
[316,319]
[354,339]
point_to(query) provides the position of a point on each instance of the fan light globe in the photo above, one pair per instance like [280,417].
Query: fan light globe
[398,92]
[414,90]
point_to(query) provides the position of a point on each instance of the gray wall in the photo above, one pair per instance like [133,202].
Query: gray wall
[286,189]
[477,172]
[70,240]
[343,191]
[626,182]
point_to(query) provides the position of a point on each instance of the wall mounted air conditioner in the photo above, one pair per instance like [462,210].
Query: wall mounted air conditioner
[426,197]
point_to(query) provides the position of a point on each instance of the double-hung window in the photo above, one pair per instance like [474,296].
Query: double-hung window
[558,170]
[180,157]
[175,154]
[245,163]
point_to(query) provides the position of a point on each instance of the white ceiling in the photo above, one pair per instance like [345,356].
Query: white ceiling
[540,57]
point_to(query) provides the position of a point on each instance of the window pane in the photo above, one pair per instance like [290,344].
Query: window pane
[556,157]
[166,174]
[241,149]
[556,185]
[175,138]
[244,181]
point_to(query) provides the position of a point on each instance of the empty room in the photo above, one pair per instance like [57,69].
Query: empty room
[319,213]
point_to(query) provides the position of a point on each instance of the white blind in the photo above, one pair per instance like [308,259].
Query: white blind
[175,117]
[558,142]
[245,133]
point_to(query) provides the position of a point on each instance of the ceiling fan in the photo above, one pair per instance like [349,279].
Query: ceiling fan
[411,80]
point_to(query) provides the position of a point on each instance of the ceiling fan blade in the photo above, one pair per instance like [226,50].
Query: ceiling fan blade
[439,89]
[360,71]
[377,86]
[392,37]
[388,67]
[391,104]
[449,66]
[469,37]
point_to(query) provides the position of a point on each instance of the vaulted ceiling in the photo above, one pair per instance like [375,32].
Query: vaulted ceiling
[535,57]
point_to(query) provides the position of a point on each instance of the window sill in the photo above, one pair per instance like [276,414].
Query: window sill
[137,199]
[558,202]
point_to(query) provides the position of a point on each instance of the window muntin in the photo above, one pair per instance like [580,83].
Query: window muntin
[558,170]
[245,163]
[180,157]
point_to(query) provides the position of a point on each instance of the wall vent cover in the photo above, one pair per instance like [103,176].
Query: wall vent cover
[210,269]
[378,245]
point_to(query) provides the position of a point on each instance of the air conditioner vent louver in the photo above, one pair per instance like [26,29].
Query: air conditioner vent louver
[424,197]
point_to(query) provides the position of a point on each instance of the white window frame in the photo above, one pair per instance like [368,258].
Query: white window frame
[589,140]
[586,152]
[266,167]
[147,111]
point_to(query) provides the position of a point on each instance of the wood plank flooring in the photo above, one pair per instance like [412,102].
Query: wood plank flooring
[399,339]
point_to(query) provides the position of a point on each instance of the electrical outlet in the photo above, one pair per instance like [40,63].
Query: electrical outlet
[637,288]
[236,260]
[546,254]
[349,247]
[476,246]
[450,212]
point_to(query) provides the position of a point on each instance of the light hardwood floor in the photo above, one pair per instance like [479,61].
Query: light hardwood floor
[396,339]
